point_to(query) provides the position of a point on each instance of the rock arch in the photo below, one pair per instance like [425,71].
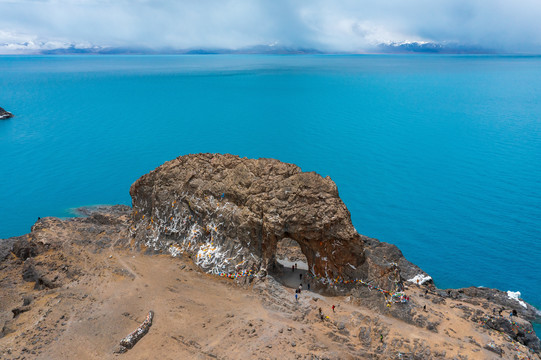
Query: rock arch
[289,250]
[229,213]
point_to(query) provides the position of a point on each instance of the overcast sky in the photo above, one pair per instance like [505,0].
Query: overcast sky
[329,25]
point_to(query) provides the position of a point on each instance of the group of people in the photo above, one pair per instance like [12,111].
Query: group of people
[322,317]
[299,290]
[511,313]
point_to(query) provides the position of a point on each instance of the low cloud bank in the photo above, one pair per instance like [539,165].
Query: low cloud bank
[337,26]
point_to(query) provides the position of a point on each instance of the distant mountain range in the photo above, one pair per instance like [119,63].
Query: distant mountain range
[432,48]
[390,48]
[259,49]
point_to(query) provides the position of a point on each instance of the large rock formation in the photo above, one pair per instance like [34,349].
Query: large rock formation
[88,285]
[5,114]
[230,212]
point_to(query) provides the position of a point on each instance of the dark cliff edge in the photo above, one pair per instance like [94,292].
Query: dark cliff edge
[5,114]
[228,214]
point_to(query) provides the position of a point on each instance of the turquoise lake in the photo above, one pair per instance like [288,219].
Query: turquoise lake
[440,155]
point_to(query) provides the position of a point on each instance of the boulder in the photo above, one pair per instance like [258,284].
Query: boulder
[129,341]
[5,114]
[229,213]
[24,248]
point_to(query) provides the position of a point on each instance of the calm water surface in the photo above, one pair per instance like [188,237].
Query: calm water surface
[440,155]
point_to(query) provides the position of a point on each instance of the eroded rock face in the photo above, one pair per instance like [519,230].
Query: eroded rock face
[498,297]
[230,212]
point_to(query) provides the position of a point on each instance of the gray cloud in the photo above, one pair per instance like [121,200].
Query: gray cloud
[339,25]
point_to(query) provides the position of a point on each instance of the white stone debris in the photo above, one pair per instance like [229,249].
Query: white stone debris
[422,279]
[179,231]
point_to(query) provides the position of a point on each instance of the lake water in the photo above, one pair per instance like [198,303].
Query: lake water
[440,155]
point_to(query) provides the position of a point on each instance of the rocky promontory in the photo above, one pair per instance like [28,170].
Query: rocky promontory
[230,213]
[76,287]
[5,114]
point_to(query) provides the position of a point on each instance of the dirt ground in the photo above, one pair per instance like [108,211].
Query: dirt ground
[200,316]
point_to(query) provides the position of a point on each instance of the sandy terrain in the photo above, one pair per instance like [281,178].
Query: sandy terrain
[198,316]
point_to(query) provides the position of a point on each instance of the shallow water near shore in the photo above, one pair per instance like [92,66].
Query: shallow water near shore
[436,154]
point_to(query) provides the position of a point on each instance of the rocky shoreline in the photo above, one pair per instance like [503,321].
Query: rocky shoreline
[5,114]
[225,215]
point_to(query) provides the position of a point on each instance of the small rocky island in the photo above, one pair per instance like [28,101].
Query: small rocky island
[5,114]
[211,245]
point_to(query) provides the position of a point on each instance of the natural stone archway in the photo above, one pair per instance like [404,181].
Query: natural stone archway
[288,250]
[230,212]
[291,265]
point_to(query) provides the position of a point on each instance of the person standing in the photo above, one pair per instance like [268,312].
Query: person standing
[333,308]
